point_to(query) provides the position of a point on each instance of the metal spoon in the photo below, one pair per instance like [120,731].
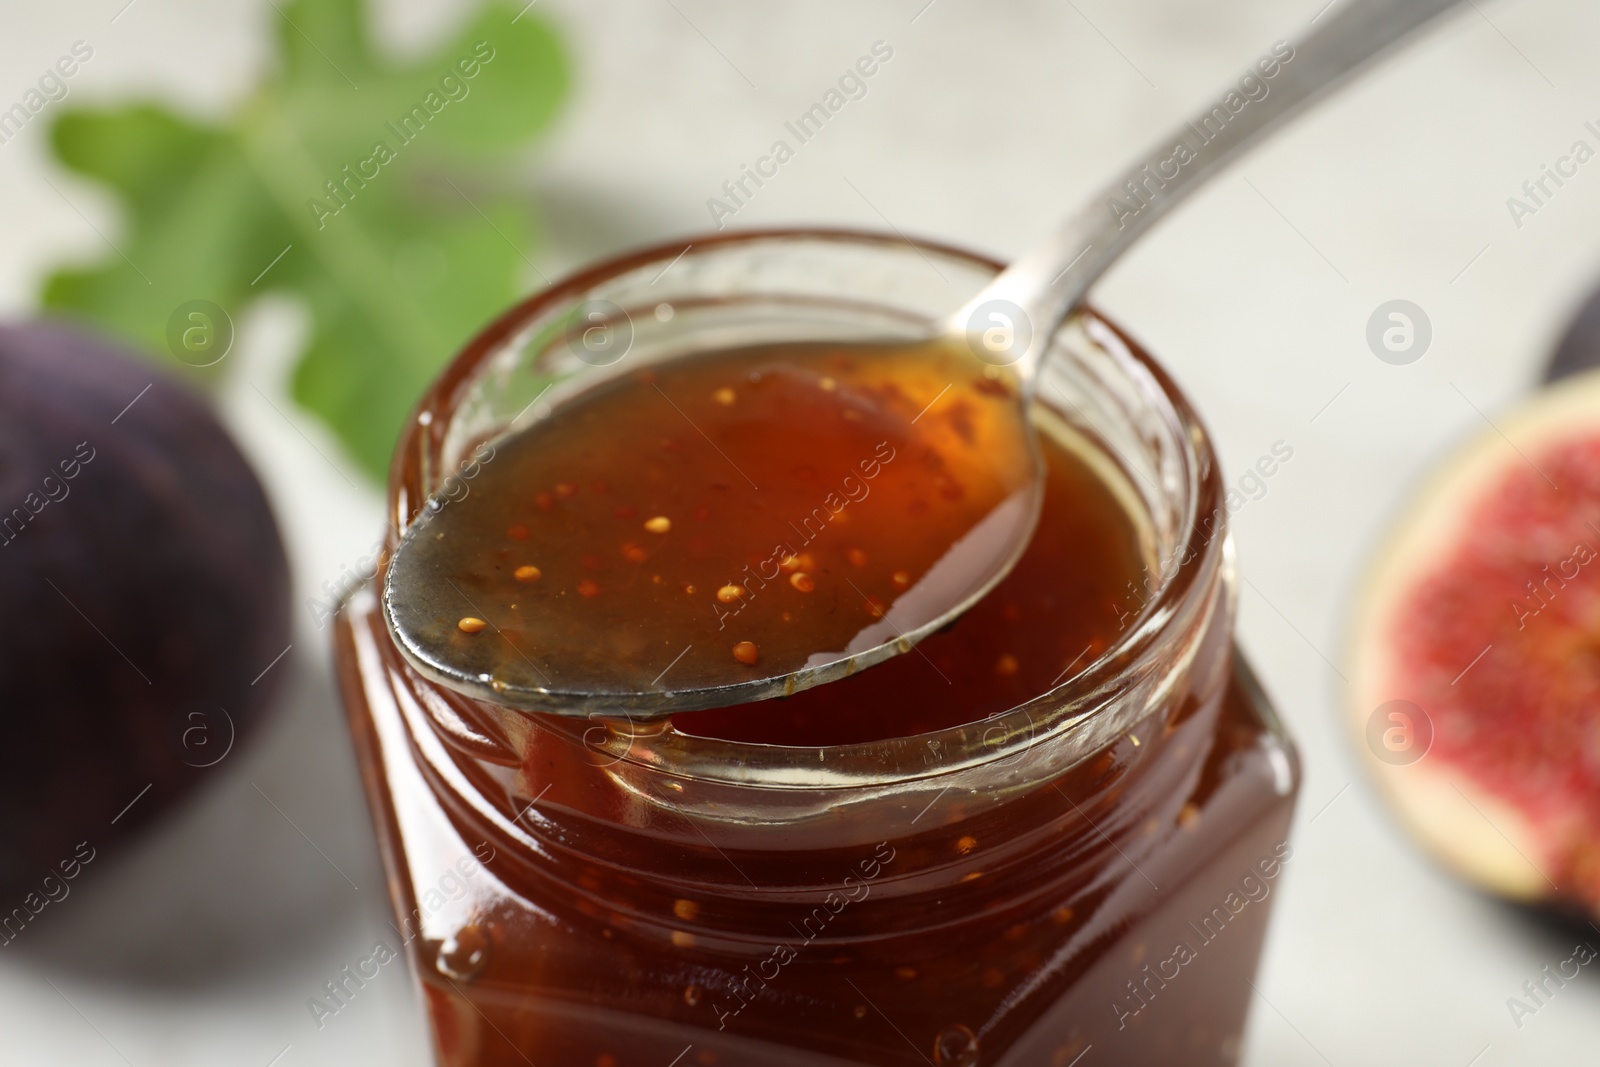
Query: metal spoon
[1008,324]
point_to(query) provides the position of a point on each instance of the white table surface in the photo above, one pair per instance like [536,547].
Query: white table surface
[202,945]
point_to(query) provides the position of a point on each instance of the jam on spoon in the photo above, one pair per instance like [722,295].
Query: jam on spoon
[733,525]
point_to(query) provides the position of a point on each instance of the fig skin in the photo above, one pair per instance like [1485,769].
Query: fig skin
[163,541]
[1580,346]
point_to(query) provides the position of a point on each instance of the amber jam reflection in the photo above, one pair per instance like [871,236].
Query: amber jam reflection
[1009,903]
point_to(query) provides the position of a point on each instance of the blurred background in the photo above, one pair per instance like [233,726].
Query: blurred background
[603,125]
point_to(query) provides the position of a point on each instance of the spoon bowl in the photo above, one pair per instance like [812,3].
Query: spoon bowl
[867,491]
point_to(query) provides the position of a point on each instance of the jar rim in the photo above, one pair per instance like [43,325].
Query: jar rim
[1197,563]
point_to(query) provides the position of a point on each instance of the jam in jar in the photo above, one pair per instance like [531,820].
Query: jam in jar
[1049,834]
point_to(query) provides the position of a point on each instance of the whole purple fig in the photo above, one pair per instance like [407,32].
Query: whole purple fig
[144,591]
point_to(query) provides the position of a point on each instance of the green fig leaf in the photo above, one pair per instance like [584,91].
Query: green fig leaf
[379,192]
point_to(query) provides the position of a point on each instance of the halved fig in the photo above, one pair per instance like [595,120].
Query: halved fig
[1475,673]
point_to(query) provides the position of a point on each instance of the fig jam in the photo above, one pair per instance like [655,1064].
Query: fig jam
[720,518]
[1048,835]
[1065,602]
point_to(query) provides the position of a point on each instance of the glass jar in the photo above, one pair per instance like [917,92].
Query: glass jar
[1087,874]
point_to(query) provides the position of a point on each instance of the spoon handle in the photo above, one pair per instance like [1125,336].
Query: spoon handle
[1050,281]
